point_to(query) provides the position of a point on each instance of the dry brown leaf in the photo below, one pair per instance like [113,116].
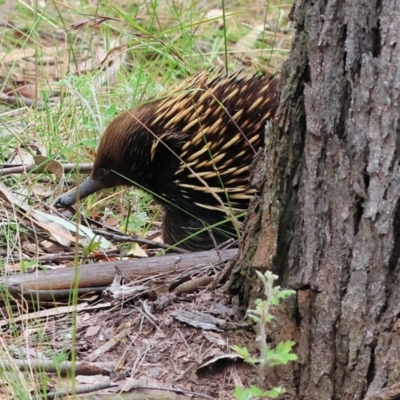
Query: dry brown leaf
[217,14]
[137,251]
[92,330]
[16,54]
[43,190]
[55,168]
[58,231]
[51,247]
[22,156]
[16,267]
[223,357]
[245,46]
[111,221]
[214,338]
[51,166]
[29,91]
[53,266]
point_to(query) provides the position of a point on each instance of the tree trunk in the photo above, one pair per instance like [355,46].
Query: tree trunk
[328,221]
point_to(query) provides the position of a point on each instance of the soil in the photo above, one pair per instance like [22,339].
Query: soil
[176,346]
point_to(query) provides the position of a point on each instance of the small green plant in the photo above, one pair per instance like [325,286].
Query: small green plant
[269,357]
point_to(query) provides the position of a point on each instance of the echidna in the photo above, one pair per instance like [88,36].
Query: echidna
[191,148]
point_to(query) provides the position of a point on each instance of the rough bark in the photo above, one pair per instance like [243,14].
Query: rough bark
[328,221]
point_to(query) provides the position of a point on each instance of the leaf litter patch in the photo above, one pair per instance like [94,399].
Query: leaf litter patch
[149,341]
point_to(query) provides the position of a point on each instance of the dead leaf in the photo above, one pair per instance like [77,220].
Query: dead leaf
[137,251]
[244,47]
[55,168]
[215,338]
[223,357]
[52,166]
[216,14]
[57,226]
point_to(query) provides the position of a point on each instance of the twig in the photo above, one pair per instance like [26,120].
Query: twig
[33,168]
[20,101]
[228,243]
[109,344]
[221,275]
[64,368]
[47,313]
[180,391]
[148,318]
[67,256]
[138,361]
[85,389]
[134,239]
[146,311]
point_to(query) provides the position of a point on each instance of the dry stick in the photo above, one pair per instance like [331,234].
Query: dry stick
[20,101]
[148,318]
[125,238]
[109,344]
[47,313]
[39,169]
[66,256]
[64,368]
[173,390]
[80,390]
[32,296]
[147,311]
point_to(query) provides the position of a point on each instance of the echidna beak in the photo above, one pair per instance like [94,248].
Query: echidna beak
[86,188]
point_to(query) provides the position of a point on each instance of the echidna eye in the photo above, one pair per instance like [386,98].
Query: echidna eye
[103,173]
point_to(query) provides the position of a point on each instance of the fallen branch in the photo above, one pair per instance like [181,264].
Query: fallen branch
[100,275]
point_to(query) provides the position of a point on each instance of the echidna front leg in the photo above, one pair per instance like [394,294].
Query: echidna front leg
[191,233]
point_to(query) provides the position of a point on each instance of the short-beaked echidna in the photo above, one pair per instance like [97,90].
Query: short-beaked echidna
[191,148]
